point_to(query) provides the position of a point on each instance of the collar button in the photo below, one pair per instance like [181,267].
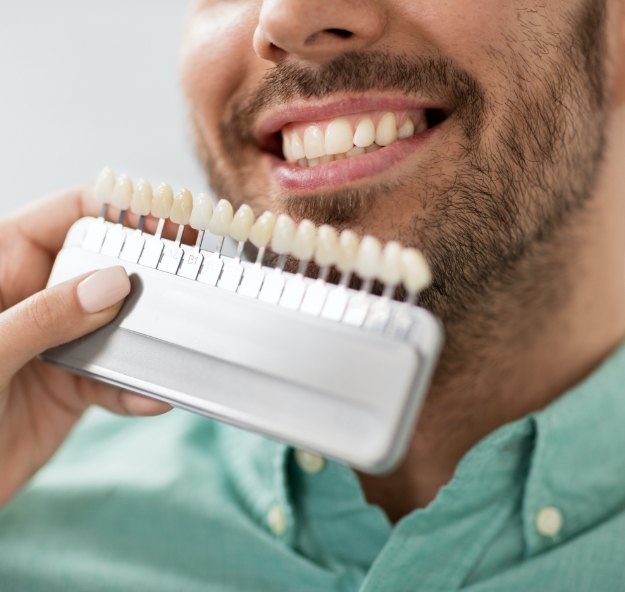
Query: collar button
[309,462]
[276,520]
[549,521]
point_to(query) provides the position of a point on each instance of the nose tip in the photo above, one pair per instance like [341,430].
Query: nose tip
[315,30]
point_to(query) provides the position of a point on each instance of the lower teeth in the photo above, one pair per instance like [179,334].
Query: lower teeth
[310,162]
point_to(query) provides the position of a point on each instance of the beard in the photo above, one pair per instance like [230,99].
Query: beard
[490,210]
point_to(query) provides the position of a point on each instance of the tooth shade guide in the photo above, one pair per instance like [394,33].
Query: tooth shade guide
[293,291]
[283,237]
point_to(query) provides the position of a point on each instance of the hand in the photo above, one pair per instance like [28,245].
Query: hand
[40,403]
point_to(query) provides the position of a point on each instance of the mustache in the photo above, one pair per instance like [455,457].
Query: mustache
[358,72]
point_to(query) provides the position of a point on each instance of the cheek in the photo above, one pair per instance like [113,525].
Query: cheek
[486,36]
[216,59]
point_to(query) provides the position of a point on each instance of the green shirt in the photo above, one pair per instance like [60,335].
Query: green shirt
[183,503]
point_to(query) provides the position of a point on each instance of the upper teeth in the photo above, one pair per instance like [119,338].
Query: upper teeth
[310,145]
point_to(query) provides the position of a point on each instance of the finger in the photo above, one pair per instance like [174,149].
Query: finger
[136,404]
[118,400]
[59,314]
[45,222]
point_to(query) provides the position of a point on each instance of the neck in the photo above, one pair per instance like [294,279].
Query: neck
[521,349]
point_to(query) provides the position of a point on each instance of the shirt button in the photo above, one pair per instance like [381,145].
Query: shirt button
[549,521]
[309,462]
[276,519]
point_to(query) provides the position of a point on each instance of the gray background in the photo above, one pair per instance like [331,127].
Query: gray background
[84,84]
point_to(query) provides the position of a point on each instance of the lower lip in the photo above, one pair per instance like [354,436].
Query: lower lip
[292,177]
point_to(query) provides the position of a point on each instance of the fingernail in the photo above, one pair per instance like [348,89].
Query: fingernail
[103,289]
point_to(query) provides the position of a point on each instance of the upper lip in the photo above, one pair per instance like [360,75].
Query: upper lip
[273,121]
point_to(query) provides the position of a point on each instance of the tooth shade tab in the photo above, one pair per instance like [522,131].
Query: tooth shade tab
[369,258]
[262,230]
[242,223]
[222,218]
[326,249]
[202,212]
[305,240]
[390,269]
[122,192]
[338,137]
[163,201]
[104,185]
[182,207]
[347,251]
[283,235]
[416,274]
[142,196]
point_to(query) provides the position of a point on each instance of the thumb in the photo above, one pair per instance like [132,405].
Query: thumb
[59,314]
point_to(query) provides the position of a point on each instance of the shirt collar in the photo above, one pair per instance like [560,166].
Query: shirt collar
[578,462]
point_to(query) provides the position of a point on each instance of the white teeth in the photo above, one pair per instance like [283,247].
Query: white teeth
[162,202]
[142,198]
[283,235]
[341,141]
[286,148]
[261,232]
[365,133]
[297,148]
[347,251]
[415,271]
[368,259]
[339,135]
[202,212]
[305,239]
[406,130]
[327,246]
[122,193]
[386,132]
[222,218]
[182,207]
[104,186]
[314,142]
[242,223]
[390,270]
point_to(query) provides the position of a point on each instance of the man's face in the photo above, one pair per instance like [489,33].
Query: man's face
[508,100]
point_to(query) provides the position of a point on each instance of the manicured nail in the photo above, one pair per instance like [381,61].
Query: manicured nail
[103,289]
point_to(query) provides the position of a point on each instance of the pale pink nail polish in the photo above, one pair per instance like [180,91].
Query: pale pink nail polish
[103,289]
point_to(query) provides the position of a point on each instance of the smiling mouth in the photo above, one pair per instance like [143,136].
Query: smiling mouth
[309,146]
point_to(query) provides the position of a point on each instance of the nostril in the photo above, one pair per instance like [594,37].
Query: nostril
[342,33]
